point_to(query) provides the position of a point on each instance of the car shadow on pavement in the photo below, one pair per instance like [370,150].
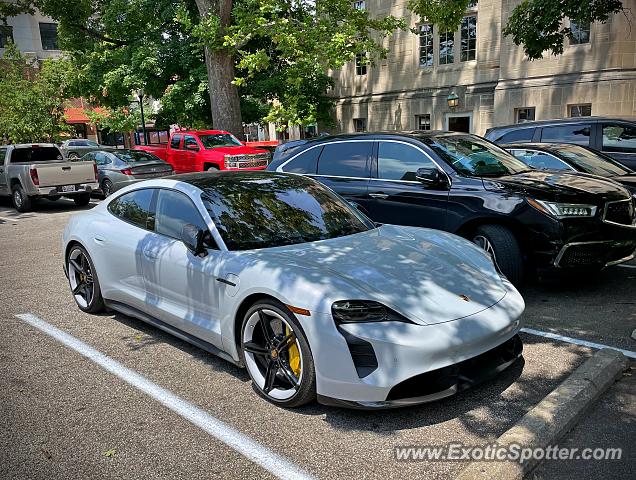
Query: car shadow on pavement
[43,206]
[150,335]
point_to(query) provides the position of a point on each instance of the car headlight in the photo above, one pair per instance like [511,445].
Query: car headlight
[361,311]
[563,210]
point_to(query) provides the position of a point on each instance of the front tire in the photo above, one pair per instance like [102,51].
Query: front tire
[83,280]
[107,188]
[502,245]
[277,356]
[82,200]
[21,201]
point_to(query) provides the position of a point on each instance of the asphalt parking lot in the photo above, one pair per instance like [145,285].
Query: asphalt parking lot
[64,416]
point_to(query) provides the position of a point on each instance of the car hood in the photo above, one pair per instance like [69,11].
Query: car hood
[559,186]
[628,181]
[427,275]
[238,150]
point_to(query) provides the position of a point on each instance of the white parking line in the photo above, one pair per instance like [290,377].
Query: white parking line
[576,341]
[270,461]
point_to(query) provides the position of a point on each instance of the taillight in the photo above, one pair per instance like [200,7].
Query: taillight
[34,176]
[126,171]
[95,170]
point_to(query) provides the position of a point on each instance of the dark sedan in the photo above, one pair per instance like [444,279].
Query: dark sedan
[562,156]
[120,168]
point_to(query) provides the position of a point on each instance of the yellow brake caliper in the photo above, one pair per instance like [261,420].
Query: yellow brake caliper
[294,355]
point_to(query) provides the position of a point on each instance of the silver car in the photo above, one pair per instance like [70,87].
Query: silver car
[117,169]
[77,147]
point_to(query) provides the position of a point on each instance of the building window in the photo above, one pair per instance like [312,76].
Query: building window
[472,4]
[525,114]
[426,45]
[446,47]
[361,64]
[468,38]
[360,5]
[6,35]
[48,36]
[423,122]
[359,124]
[584,110]
[580,33]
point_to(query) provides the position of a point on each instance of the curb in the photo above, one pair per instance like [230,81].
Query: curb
[553,416]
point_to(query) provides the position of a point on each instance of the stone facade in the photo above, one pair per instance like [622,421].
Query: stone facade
[491,88]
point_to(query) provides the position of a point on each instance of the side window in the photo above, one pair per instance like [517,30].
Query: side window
[100,158]
[619,137]
[175,141]
[346,159]
[3,154]
[306,162]
[398,161]
[190,140]
[174,210]
[577,133]
[520,135]
[135,207]
[540,160]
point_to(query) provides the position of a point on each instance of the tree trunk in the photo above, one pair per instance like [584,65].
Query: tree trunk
[224,98]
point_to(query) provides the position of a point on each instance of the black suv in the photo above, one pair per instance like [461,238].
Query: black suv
[464,184]
[612,136]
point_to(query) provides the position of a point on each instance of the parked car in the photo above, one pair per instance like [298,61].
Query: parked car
[120,168]
[77,147]
[38,170]
[613,136]
[207,150]
[466,185]
[576,158]
[273,272]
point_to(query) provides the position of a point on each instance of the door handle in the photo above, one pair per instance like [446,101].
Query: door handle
[98,240]
[379,195]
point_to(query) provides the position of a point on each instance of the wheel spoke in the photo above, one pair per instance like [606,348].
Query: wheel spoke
[87,293]
[289,375]
[270,377]
[266,326]
[255,349]
[76,266]
[286,342]
[78,288]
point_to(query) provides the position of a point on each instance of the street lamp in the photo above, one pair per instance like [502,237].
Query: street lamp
[140,95]
[453,100]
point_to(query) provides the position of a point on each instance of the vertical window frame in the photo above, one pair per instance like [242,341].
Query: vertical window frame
[468,44]
[46,36]
[426,50]
[448,57]
[519,110]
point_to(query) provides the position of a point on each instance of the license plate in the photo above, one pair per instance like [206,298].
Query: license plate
[68,188]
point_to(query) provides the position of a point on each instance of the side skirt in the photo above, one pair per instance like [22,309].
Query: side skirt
[155,322]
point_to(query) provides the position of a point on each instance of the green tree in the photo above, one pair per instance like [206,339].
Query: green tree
[537,25]
[32,99]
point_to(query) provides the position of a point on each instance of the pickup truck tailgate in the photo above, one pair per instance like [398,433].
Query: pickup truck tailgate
[64,173]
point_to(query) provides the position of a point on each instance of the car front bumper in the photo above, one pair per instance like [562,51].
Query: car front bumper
[366,365]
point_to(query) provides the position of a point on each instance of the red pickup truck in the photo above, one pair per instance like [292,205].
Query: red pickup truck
[201,150]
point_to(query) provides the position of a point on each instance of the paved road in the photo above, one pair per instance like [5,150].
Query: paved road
[63,416]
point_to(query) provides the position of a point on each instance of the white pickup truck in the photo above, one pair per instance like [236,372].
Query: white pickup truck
[38,170]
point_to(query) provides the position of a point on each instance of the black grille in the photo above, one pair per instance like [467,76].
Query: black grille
[620,212]
[463,375]
[581,255]
[362,354]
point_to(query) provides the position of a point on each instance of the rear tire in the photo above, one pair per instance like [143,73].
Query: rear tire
[83,278]
[212,168]
[82,200]
[73,156]
[107,188]
[503,246]
[21,201]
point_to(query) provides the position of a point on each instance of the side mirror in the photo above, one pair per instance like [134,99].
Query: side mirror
[431,176]
[194,148]
[192,238]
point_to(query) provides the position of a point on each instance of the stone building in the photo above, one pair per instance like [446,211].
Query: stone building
[487,74]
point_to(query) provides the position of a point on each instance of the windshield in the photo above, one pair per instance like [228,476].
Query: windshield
[474,157]
[136,156]
[272,210]
[219,140]
[592,162]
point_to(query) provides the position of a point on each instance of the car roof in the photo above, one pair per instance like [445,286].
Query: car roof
[199,132]
[541,145]
[27,145]
[203,180]
[414,134]
[557,121]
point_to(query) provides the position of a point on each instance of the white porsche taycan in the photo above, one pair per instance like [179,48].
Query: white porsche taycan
[278,274]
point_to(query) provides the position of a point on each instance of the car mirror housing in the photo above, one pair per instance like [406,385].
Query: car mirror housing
[192,237]
[431,176]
